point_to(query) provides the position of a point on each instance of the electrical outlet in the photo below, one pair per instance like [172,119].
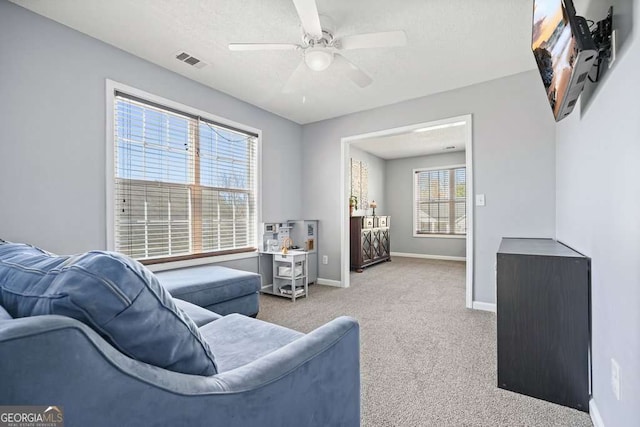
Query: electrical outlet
[615,378]
[325,259]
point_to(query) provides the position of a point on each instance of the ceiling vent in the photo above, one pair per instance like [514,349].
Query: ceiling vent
[191,60]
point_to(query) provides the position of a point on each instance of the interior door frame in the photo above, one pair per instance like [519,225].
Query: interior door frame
[345,190]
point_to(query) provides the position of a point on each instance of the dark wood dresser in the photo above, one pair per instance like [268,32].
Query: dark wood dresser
[544,321]
[370,241]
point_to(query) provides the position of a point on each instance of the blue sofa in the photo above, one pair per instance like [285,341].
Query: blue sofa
[266,374]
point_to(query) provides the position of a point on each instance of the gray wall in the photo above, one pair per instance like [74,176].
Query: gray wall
[514,165]
[400,199]
[52,131]
[377,178]
[598,213]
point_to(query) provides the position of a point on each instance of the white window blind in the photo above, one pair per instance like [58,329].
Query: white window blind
[184,186]
[440,201]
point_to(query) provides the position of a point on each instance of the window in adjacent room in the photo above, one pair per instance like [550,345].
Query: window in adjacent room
[440,202]
[184,185]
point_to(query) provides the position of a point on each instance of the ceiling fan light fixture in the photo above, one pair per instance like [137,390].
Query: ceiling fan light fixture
[318,58]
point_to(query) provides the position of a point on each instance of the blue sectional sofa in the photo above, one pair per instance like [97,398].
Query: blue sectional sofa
[96,335]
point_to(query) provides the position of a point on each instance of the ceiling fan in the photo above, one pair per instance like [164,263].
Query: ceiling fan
[321,49]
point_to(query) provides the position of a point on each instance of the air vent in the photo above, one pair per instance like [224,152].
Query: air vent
[191,60]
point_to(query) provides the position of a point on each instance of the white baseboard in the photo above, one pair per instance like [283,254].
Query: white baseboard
[425,256]
[484,306]
[596,419]
[328,282]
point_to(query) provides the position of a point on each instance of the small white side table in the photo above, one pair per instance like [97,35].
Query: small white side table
[290,275]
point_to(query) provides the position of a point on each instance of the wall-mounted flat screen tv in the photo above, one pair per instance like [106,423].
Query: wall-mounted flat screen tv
[564,51]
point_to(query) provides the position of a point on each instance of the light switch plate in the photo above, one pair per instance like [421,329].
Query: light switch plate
[480,200]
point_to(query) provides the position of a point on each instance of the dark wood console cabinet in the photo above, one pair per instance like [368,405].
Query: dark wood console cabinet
[370,241]
[544,321]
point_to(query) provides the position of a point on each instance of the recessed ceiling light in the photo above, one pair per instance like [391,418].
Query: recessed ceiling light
[444,126]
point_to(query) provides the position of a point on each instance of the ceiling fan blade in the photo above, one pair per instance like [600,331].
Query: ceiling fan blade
[354,73]
[308,13]
[296,79]
[364,41]
[262,46]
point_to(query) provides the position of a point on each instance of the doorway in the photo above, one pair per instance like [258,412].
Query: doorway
[465,123]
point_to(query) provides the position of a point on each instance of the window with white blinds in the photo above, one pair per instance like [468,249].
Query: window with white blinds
[184,186]
[440,205]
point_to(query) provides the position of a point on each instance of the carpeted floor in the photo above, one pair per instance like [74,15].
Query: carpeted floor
[426,360]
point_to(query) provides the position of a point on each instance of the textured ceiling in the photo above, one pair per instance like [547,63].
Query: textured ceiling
[413,144]
[451,44]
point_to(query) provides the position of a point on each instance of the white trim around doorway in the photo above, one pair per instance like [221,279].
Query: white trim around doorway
[344,192]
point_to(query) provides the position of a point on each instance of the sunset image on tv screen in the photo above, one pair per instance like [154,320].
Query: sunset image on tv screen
[554,48]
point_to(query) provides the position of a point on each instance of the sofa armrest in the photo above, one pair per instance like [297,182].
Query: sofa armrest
[292,356]
[53,359]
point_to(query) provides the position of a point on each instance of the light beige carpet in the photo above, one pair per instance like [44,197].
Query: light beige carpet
[426,360]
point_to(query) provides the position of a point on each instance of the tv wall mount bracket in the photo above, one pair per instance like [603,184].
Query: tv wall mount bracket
[602,36]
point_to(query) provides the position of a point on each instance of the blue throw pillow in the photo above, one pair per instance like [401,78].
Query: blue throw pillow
[115,295]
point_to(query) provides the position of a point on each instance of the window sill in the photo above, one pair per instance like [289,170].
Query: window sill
[171,265]
[441,236]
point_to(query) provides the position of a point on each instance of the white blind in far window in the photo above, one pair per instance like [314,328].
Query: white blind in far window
[183,185]
[440,201]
